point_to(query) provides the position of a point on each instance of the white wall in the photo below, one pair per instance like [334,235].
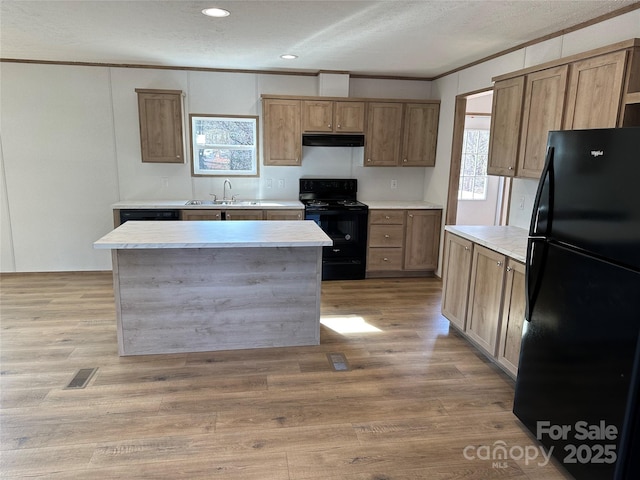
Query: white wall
[70,148]
[620,28]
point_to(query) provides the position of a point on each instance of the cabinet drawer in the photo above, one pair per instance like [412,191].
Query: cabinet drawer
[384,259]
[386,217]
[386,236]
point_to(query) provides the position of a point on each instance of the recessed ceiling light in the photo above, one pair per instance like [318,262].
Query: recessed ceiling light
[216,12]
[288,56]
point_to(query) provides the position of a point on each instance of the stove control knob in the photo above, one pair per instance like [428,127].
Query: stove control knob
[347,237]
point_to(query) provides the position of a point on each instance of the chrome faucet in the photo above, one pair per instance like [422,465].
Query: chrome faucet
[224,189]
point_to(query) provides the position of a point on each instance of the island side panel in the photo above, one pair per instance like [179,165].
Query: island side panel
[116,294]
[206,299]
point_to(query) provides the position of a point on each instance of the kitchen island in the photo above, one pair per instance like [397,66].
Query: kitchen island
[205,286]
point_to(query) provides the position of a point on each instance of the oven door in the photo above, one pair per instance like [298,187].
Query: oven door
[346,258]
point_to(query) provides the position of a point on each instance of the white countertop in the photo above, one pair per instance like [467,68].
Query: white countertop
[510,241]
[207,234]
[181,204]
[401,204]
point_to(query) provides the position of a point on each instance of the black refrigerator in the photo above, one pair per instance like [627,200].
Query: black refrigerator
[577,389]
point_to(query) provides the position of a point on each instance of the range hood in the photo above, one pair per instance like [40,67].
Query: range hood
[332,140]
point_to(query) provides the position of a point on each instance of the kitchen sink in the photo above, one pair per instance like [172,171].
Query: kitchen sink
[222,202]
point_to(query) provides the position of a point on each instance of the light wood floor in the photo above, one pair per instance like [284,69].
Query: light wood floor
[417,394]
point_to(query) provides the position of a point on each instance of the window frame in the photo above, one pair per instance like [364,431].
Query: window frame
[196,171]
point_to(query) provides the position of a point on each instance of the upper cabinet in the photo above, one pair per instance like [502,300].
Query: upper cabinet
[397,132]
[282,133]
[384,125]
[160,115]
[506,118]
[420,134]
[401,134]
[332,116]
[543,106]
[597,89]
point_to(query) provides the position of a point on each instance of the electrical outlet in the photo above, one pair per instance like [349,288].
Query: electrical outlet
[165,182]
[269,182]
[394,184]
[281,183]
[522,203]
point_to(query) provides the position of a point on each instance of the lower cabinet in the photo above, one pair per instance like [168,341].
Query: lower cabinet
[484,298]
[513,309]
[403,242]
[204,214]
[242,214]
[237,214]
[455,279]
[284,215]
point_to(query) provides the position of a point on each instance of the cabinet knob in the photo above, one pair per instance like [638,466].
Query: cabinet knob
[385,259]
[387,217]
[509,269]
[329,126]
[368,160]
[499,264]
[510,168]
[177,156]
[339,126]
[411,215]
[466,248]
[404,160]
[387,236]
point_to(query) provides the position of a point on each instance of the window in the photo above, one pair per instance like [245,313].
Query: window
[473,168]
[224,145]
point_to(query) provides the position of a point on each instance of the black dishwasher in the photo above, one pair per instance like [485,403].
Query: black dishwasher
[149,214]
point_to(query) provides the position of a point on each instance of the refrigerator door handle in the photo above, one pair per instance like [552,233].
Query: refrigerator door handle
[543,204]
[536,258]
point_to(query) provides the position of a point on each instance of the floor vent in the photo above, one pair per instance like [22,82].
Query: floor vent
[81,378]
[338,362]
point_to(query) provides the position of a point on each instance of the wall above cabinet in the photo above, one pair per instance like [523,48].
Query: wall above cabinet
[397,132]
[595,89]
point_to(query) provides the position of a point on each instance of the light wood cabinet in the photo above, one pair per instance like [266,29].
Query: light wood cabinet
[204,214]
[455,279]
[282,131]
[384,127]
[332,116]
[403,242]
[385,240]
[284,215]
[420,134]
[595,91]
[513,310]
[506,121]
[485,298]
[543,109]
[422,239]
[238,214]
[160,118]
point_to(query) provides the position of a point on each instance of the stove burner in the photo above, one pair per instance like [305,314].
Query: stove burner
[317,203]
[349,203]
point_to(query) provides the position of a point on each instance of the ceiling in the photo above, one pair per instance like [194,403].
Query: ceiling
[380,38]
